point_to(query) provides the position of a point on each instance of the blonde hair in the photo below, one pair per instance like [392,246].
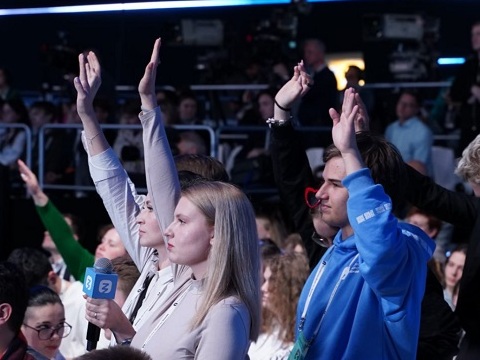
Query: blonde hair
[234,250]
[468,168]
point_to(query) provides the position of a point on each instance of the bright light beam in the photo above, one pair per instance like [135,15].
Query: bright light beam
[152,5]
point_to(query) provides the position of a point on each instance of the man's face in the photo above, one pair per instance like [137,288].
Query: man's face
[476,38]
[334,196]
[312,54]
[407,107]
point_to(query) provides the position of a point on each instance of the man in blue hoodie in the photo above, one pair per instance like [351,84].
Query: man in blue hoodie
[363,299]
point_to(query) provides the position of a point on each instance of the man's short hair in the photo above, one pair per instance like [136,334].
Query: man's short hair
[33,263]
[127,273]
[384,161]
[115,353]
[468,168]
[13,291]
[205,166]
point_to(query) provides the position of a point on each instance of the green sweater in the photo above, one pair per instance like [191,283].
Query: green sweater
[75,255]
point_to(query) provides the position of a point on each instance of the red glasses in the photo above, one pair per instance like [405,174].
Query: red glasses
[310,199]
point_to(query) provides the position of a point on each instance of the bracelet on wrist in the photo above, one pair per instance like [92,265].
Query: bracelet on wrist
[281,107]
[277,122]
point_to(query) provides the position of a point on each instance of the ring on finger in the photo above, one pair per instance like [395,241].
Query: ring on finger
[95,316]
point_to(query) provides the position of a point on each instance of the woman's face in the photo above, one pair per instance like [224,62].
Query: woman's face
[267,275]
[149,229]
[189,237]
[40,317]
[454,269]
[111,246]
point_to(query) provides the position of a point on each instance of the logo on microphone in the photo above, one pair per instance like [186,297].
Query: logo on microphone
[98,285]
[88,282]
[105,286]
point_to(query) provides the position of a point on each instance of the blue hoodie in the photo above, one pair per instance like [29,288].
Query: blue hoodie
[374,313]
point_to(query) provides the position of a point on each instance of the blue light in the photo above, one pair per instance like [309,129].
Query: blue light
[152,5]
[451,61]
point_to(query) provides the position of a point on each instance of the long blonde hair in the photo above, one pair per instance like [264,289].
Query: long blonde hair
[234,261]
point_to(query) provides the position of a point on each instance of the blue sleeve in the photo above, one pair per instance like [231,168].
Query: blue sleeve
[391,259]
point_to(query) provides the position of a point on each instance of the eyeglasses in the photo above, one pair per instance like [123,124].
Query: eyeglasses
[46,333]
[320,240]
[310,199]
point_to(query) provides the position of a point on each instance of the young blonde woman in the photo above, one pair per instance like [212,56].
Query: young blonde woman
[214,310]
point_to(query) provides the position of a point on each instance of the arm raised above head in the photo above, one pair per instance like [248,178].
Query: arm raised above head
[87,85]
[161,174]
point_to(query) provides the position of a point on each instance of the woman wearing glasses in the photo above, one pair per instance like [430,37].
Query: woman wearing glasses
[44,324]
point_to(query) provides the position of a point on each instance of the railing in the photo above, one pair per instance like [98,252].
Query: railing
[218,137]
[41,147]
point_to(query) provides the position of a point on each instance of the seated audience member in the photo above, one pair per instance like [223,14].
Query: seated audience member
[56,259]
[13,303]
[74,254]
[460,210]
[270,226]
[57,150]
[12,140]
[44,325]
[369,242]
[128,143]
[7,92]
[167,99]
[38,272]
[432,226]
[283,278]
[293,243]
[409,133]
[191,143]
[453,273]
[187,109]
[116,353]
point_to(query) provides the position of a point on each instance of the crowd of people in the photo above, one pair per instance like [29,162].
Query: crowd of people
[360,262]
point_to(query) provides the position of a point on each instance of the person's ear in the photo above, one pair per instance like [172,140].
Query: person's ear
[53,281]
[212,235]
[5,313]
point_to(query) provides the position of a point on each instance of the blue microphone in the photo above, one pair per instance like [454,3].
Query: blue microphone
[100,283]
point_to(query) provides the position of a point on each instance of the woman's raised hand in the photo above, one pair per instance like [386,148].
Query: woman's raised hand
[88,82]
[146,87]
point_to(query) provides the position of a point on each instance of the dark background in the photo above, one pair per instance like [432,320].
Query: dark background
[29,49]
[123,39]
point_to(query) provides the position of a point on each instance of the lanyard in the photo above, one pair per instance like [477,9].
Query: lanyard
[165,316]
[316,279]
[318,275]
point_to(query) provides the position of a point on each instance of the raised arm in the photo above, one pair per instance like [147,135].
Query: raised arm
[162,179]
[87,85]
[111,180]
[293,174]
[75,255]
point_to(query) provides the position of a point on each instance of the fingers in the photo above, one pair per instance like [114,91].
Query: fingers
[334,115]
[93,64]
[156,52]
[83,75]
